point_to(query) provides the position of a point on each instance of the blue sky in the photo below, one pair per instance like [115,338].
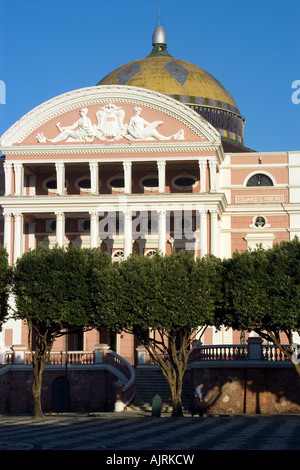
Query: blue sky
[252,46]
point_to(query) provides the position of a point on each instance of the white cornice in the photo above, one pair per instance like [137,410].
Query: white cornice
[137,202]
[105,149]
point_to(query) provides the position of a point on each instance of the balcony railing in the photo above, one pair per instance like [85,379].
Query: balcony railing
[233,352]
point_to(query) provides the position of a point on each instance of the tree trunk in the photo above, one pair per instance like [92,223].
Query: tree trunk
[38,368]
[176,392]
[173,363]
[44,343]
[176,369]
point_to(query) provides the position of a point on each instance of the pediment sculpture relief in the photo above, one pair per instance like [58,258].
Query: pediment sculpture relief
[110,126]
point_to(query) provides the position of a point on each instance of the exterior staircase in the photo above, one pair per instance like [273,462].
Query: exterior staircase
[149,382]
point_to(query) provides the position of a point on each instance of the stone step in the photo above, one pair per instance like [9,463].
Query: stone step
[151,382]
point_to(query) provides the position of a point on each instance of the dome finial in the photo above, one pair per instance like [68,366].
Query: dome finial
[159,39]
[159,42]
[159,36]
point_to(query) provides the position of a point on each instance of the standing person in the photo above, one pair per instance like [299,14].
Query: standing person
[198,401]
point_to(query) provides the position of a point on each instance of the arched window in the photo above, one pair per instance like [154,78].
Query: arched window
[259,179]
[150,253]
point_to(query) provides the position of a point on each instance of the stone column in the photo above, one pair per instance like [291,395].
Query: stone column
[127,233]
[94,177]
[7,234]
[19,176]
[214,232]
[31,235]
[162,226]
[161,176]
[60,228]
[60,178]
[8,174]
[202,167]
[127,177]
[213,174]
[94,229]
[18,236]
[203,233]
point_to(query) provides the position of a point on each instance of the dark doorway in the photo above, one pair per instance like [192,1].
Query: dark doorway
[60,395]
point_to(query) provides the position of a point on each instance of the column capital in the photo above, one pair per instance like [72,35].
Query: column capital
[127,213]
[18,166]
[161,164]
[162,213]
[7,166]
[212,162]
[127,165]
[214,213]
[94,214]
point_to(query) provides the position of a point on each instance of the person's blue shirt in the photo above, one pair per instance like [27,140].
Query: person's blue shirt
[198,391]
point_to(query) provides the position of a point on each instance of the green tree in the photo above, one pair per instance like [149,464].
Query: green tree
[168,302]
[262,294]
[53,295]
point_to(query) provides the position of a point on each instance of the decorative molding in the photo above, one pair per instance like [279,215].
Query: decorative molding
[103,95]
[88,149]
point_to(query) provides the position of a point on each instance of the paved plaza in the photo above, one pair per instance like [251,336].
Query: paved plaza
[128,431]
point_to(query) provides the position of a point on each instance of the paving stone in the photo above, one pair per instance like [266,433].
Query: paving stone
[137,431]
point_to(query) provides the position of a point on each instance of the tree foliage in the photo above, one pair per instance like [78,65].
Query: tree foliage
[54,294]
[168,302]
[262,294]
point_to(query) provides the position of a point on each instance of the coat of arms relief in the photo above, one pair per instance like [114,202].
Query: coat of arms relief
[110,126]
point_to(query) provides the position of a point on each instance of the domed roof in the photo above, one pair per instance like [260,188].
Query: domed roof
[161,72]
[183,81]
[170,77]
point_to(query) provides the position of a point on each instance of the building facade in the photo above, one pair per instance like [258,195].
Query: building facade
[150,159]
